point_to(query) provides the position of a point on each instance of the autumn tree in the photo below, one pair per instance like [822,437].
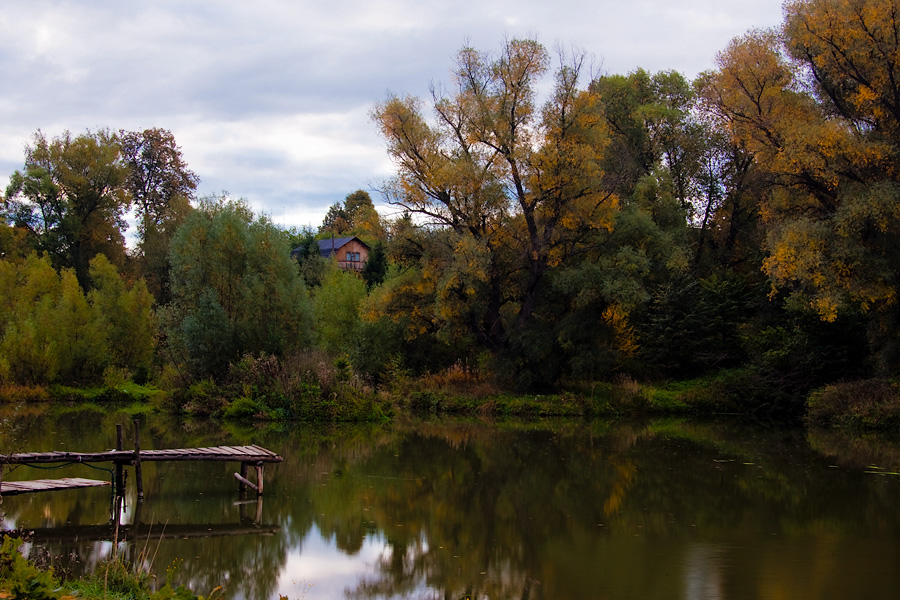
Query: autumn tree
[355,216]
[817,108]
[507,200]
[71,197]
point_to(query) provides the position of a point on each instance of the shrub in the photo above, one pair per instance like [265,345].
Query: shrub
[865,404]
[243,408]
[26,581]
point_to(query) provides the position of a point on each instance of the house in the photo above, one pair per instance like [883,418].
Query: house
[351,252]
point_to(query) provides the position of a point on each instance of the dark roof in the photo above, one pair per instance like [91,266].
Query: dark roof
[327,246]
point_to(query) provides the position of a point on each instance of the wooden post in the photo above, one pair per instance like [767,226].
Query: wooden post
[242,487]
[259,479]
[137,460]
[245,482]
[120,479]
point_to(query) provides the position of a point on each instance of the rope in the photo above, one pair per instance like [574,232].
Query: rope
[68,464]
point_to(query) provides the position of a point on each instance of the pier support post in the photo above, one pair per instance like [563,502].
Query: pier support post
[137,460]
[242,486]
[259,479]
[245,483]
[120,478]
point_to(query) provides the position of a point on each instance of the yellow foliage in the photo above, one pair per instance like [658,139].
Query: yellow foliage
[625,336]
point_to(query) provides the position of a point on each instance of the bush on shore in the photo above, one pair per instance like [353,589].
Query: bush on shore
[865,404]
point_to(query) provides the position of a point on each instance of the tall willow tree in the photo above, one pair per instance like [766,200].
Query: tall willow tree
[502,194]
[235,288]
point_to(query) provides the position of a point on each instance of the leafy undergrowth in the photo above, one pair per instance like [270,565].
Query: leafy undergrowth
[20,579]
[871,404]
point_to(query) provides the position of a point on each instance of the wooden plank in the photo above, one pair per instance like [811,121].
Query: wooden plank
[239,451]
[49,485]
[234,453]
[263,450]
[244,451]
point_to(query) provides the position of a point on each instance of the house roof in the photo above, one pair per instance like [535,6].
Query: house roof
[326,247]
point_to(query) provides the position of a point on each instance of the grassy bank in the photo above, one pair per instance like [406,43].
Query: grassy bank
[314,388]
[21,579]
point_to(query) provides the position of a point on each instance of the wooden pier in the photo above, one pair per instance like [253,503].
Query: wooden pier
[248,456]
[49,485]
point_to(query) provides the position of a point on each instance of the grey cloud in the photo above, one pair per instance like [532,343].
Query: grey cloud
[197,66]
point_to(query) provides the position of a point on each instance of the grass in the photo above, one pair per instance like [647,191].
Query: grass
[112,580]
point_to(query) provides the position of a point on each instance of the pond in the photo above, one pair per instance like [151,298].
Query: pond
[472,509]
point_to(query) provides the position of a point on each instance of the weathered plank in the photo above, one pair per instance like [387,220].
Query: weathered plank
[48,485]
[218,453]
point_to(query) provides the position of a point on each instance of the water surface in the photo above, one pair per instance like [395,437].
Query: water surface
[561,509]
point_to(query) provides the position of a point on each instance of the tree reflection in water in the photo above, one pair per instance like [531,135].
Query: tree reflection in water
[548,510]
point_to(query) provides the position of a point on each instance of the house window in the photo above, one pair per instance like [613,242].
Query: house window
[353,257]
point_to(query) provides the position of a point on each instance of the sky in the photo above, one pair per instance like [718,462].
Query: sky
[270,100]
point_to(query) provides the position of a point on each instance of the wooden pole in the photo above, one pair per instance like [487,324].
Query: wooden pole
[120,479]
[137,460]
[245,482]
[242,487]
[259,479]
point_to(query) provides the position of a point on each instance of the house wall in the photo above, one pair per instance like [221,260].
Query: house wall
[352,246]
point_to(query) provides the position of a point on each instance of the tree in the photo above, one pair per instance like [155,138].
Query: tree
[72,198]
[52,332]
[310,262]
[336,306]
[375,269]
[356,216]
[514,184]
[161,187]
[817,108]
[529,235]
[235,288]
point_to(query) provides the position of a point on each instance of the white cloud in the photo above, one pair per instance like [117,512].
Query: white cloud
[269,99]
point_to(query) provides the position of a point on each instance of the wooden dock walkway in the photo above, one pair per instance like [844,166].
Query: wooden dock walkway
[47,485]
[247,456]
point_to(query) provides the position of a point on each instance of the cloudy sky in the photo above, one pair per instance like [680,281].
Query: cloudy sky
[270,99]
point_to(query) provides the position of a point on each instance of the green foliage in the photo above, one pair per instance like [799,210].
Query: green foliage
[376,267]
[125,314]
[303,386]
[336,308]
[355,216]
[21,577]
[161,187]
[235,289]
[243,408]
[51,332]
[71,196]
[692,326]
[310,263]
